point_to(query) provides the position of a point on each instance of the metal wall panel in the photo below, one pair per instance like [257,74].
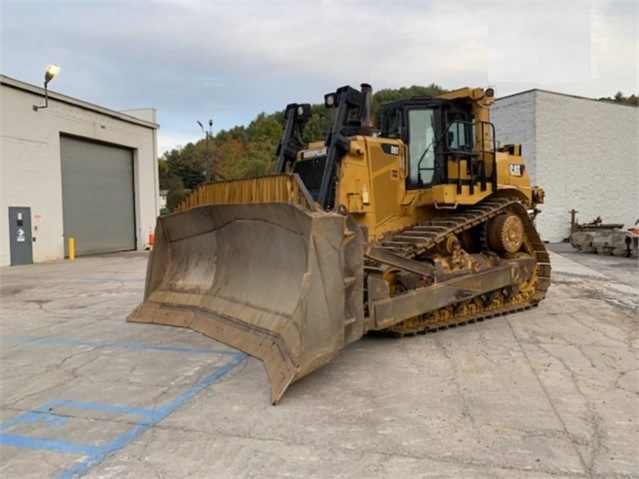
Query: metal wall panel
[97,196]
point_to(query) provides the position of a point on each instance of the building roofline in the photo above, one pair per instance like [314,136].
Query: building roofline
[27,87]
[533,90]
[516,94]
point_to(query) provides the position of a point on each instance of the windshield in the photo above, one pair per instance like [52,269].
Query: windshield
[421,146]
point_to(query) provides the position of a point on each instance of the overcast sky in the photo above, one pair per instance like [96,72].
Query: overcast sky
[230,61]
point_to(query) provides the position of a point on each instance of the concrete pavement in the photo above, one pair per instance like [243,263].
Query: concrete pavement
[550,392]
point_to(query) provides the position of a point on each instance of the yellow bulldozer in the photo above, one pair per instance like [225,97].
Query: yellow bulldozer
[418,223]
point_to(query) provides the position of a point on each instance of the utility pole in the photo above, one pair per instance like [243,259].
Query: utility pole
[208,134]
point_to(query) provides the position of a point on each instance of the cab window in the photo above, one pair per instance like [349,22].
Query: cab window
[393,126]
[421,149]
[459,131]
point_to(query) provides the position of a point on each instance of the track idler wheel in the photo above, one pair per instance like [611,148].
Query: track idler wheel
[506,233]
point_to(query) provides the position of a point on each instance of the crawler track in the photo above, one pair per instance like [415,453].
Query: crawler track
[424,239]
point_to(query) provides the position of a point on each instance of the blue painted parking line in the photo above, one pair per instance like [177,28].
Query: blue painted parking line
[112,344]
[92,454]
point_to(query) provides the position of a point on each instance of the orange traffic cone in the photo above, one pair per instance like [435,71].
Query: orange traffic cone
[150,241]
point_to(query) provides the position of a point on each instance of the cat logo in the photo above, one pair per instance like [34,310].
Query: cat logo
[516,170]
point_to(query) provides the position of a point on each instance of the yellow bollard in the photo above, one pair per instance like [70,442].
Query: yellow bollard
[71,249]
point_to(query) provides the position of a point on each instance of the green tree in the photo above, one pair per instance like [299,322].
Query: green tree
[265,128]
[318,124]
[621,98]
[188,163]
[176,193]
[228,157]
[164,173]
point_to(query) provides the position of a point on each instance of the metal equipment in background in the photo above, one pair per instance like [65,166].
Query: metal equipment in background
[604,238]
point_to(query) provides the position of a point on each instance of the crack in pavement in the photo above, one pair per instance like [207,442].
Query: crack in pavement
[587,469]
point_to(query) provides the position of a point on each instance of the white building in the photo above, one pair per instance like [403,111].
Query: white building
[583,152]
[73,170]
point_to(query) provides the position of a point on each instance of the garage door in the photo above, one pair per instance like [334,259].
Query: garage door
[97,196]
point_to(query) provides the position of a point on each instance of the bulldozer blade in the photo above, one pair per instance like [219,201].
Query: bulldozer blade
[272,280]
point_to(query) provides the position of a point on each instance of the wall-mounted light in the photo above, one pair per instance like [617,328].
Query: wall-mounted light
[52,71]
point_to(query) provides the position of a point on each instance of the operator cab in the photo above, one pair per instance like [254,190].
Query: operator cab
[441,136]
[446,143]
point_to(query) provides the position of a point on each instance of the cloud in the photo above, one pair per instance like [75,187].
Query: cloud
[528,43]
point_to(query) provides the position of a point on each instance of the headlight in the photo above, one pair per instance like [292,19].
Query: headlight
[329,100]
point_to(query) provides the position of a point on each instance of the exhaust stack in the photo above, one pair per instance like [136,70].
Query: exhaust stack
[366,109]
